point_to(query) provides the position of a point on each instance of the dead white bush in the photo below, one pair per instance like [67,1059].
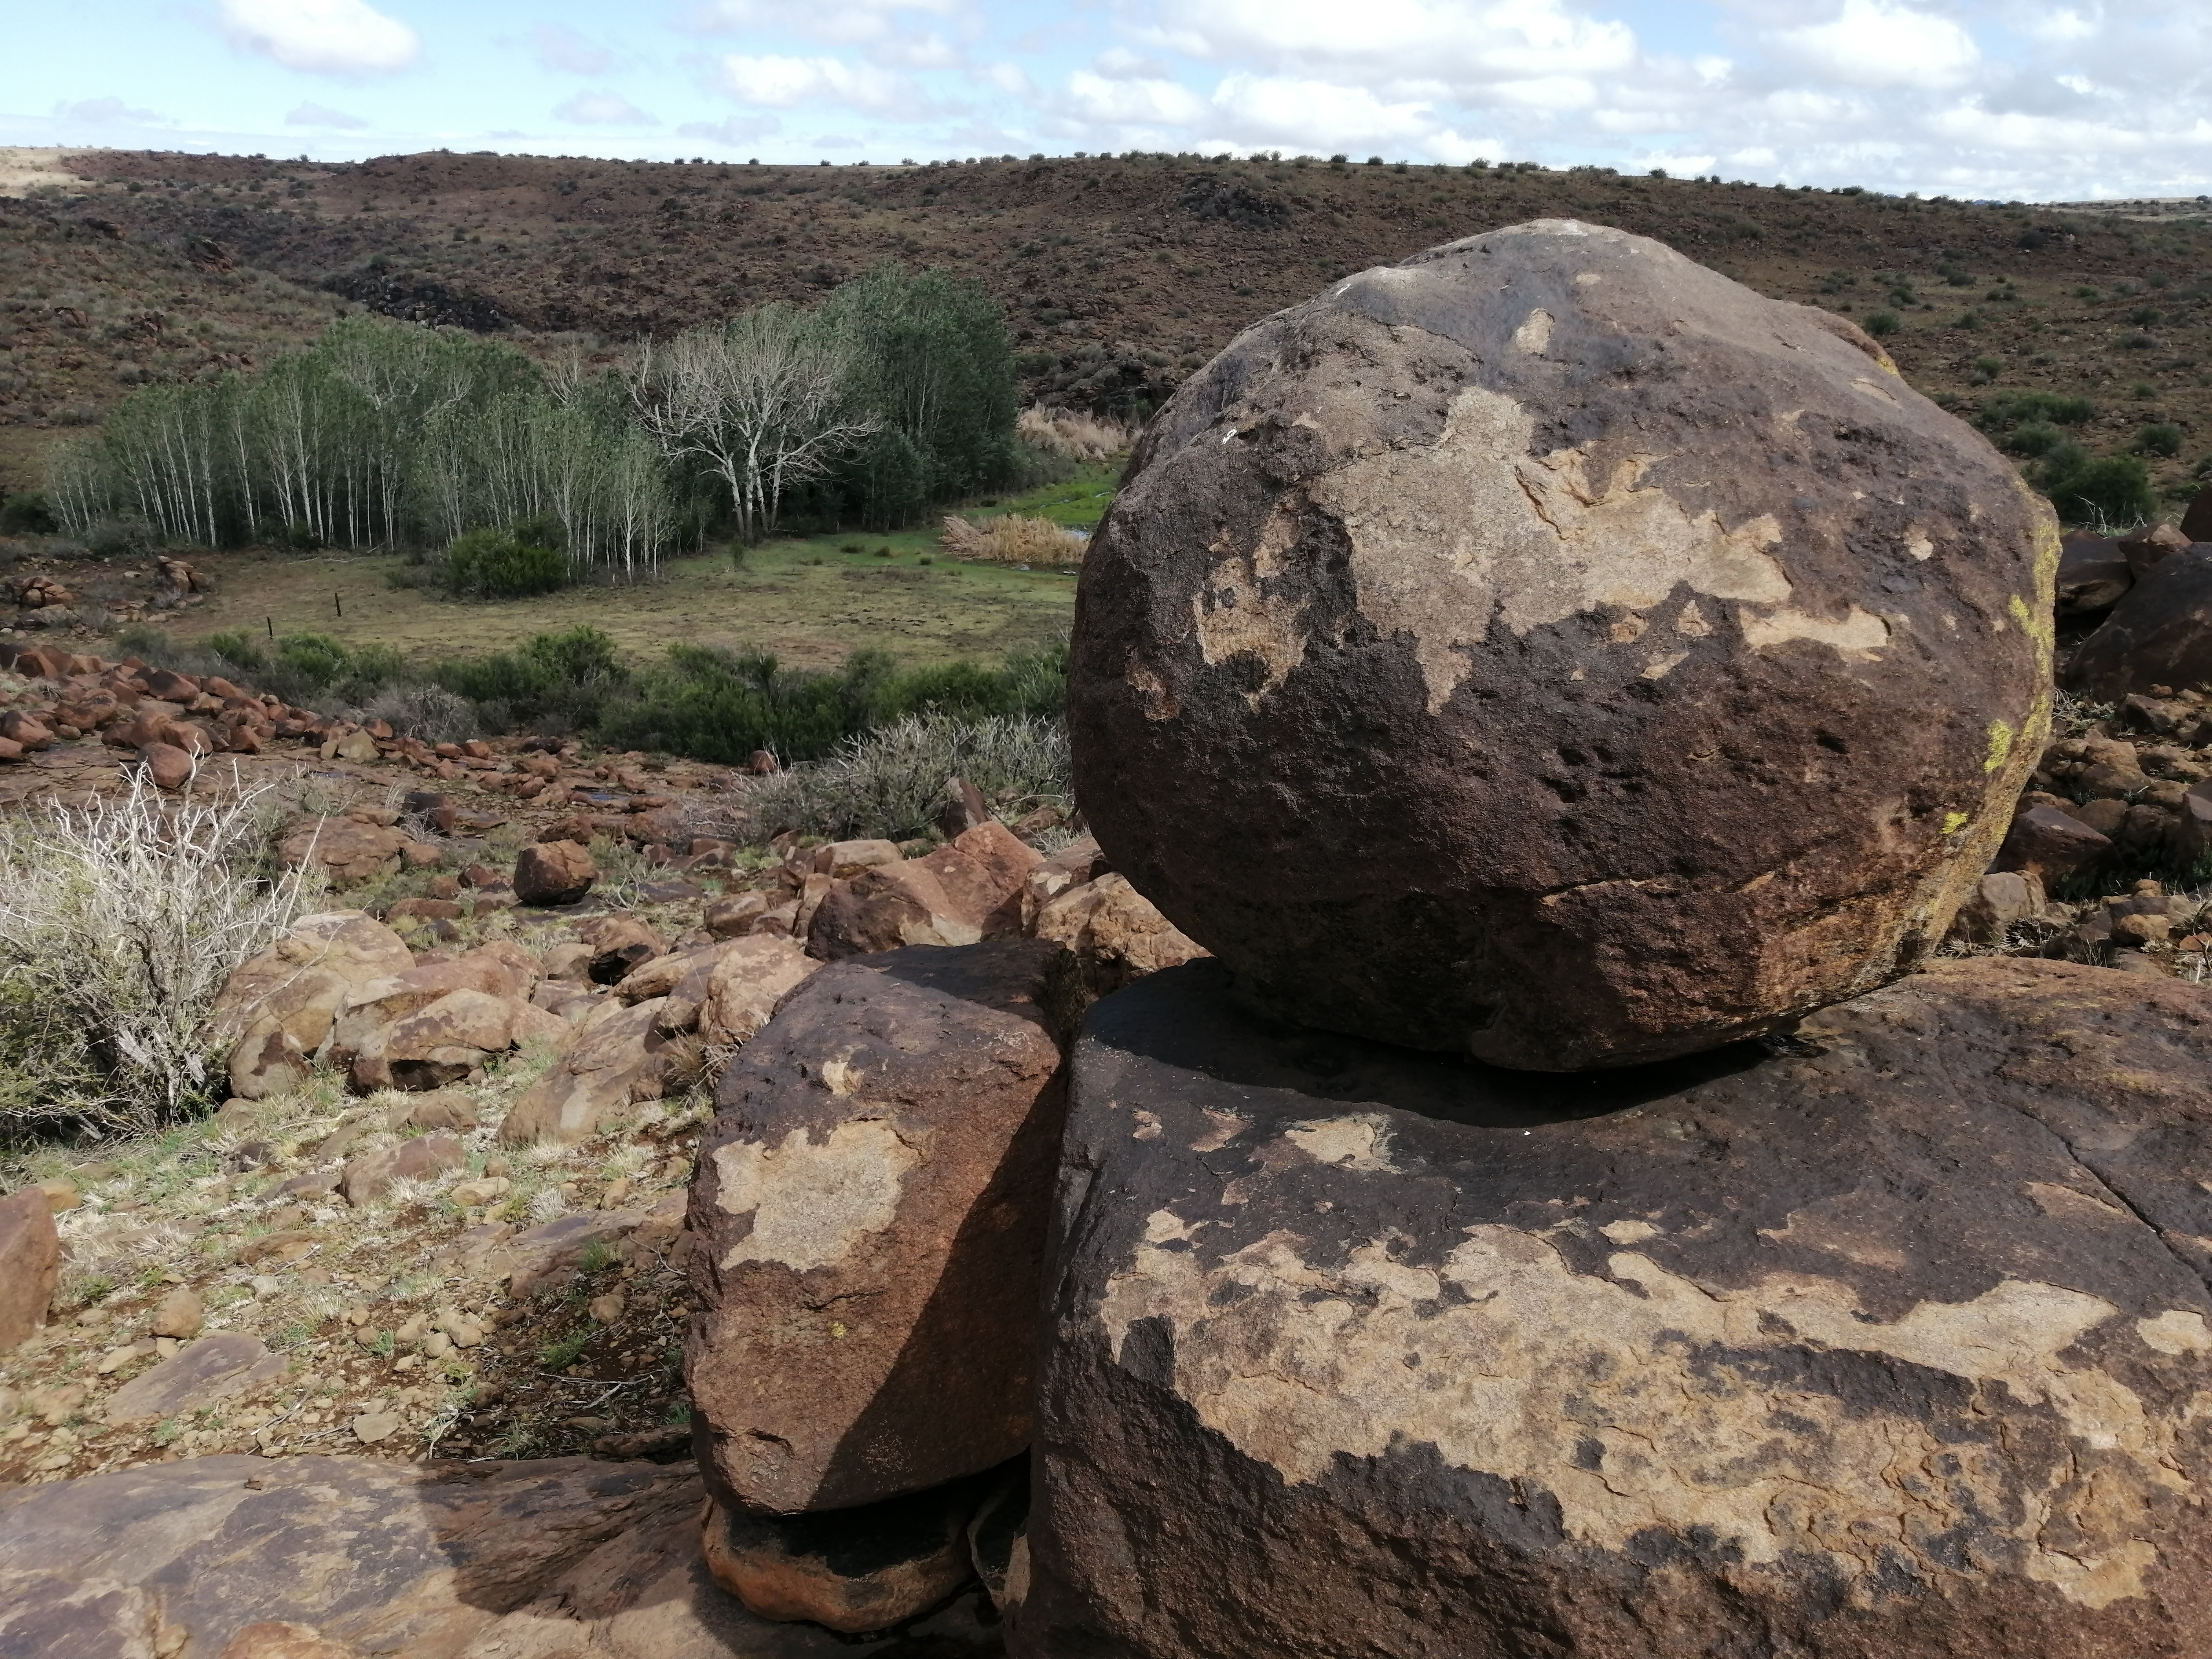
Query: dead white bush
[1012,539]
[119,922]
[1078,437]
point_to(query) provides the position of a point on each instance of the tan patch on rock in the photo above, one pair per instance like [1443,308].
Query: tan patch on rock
[1295,1363]
[1472,527]
[812,1202]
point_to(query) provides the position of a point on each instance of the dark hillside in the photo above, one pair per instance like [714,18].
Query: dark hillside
[1123,274]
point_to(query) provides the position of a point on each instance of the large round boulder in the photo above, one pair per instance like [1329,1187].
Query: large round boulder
[1889,1338]
[1549,650]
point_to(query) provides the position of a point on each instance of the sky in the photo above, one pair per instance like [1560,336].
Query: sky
[2028,101]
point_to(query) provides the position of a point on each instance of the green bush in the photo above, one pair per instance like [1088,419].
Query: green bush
[27,512]
[2162,438]
[2035,438]
[2003,410]
[551,682]
[504,564]
[890,782]
[1880,324]
[2109,491]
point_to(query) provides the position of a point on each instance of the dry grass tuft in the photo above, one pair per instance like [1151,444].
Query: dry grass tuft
[1011,539]
[1078,437]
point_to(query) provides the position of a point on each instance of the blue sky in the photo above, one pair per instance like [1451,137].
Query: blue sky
[2038,101]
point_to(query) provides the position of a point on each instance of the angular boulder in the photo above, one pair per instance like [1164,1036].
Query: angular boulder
[554,872]
[615,1058]
[444,1041]
[2159,634]
[869,1208]
[276,1009]
[1114,933]
[750,976]
[350,852]
[30,1263]
[1887,1339]
[969,890]
[1558,653]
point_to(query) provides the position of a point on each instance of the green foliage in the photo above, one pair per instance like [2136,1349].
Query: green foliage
[933,359]
[2034,438]
[552,682]
[1882,324]
[2109,490]
[888,782]
[723,705]
[505,564]
[2002,412]
[2160,438]
[27,512]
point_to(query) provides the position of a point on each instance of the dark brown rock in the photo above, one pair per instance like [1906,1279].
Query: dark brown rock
[30,1263]
[869,1208]
[2197,522]
[2093,576]
[554,872]
[1583,660]
[856,1570]
[1883,1340]
[2151,546]
[168,767]
[351,851]
[2160,634]
[962,809]
[2046,843]
[620,944]
[969,890]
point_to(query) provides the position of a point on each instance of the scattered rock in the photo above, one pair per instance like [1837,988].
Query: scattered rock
[275,1638]
[30,1263]
[2047,842]
[554,872]
[370,1427]
[180,1314]
[2093,576]
[1511,484]
[962,809]
[1114,933]
[2160,634]
[369,1176]
[168,767]
[852,1569]
[2001,901]
[350,852]
[750,976]
[734,916]
[620,944]
[869,1208]
[1416,1348]
[210,1369]
[614,1059]
[966,891]
[277,1009]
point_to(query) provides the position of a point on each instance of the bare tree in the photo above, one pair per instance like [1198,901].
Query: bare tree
[762,399]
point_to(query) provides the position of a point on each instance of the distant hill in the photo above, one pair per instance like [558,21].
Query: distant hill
[1121,274]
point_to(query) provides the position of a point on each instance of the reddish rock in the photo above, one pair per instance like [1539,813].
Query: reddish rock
[351,851]
[2160,634]
[30,1263]
[854,1570]
[369,1175]
[2158,542]
[195,1377]
[1114,933]
[869,1208]
[554,872]
[2093,576]
[277,1010]
[619,944]
[616,1058]
[167,765]
[734,916]
[25,730]
[2046,842]
[1496,654]
[749,978]
[969,890]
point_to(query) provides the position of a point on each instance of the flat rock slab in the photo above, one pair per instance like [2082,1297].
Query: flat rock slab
[199,1374]
[1888,1338]
[560,1559]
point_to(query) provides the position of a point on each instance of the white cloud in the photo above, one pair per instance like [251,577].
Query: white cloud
[603,109]
[779,82]
[321,115]
[1314,114]
[1875,44]
[736,131]
[108,112]
[842,22]
[1149,103]
[322,37]
[560,47]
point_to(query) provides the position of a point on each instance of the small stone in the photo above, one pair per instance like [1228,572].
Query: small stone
[554,872]
[606,1309]
[2139,931]
[265,1284]
[168,766]
[436,1345]
[370,1427]
[61,1194]
[180,1314]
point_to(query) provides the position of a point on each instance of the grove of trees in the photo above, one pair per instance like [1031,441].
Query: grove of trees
[897,392]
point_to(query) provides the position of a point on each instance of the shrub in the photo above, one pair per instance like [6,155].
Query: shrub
[890,782]
[428,712]
[27,512]
[1074,437]
[2003,411]
[2035,438]
[119,922]
[2112,491]
[2162,438]
[554,682]
[1013,539]
[502,564]
[1882,324]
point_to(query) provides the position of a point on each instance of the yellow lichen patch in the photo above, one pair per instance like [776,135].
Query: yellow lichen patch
[1954,822]
[1685,1416]
[2001,737]
[811,1201]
